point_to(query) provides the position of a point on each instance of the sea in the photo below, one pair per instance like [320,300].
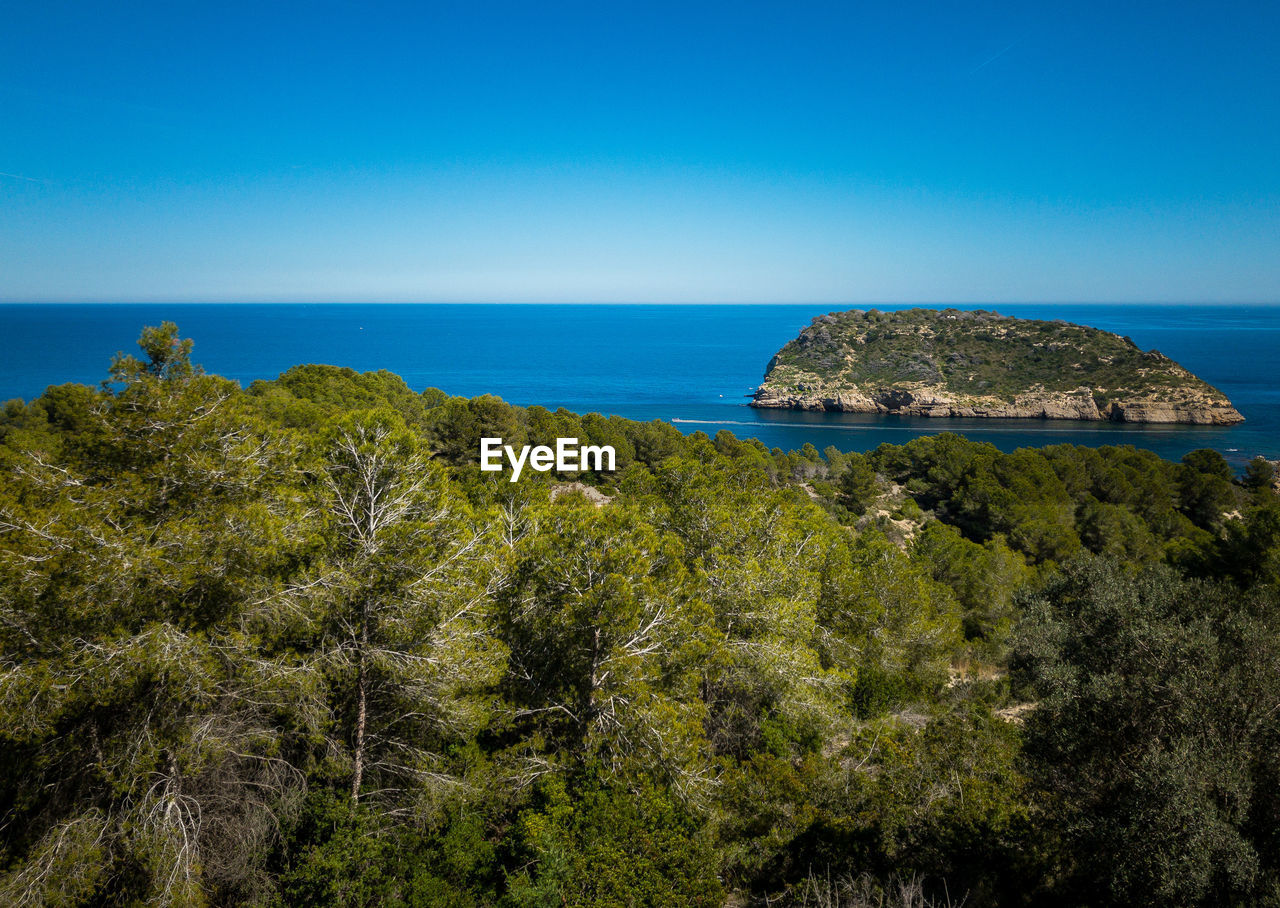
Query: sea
[692,365]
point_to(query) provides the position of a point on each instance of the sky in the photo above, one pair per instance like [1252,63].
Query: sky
[619,151]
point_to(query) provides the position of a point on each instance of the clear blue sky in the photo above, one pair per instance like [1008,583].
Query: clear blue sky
[640,151]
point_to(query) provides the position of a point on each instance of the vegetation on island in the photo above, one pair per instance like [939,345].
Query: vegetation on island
[972,356]
[288,645]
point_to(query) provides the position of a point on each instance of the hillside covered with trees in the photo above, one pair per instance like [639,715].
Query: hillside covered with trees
[288,645]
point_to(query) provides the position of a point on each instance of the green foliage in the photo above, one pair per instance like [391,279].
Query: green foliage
[1154,736]
[1260,475]
[605,643]
[601,844]
[1049,503]
[340,857]
[395,603]
[308,395]
[340,854]
[1204,487]
[983,578]
[288,645]
[857,483]
[1248,551]
[168,356]
[1112,529]
[883,614]
[458,424]
[147,706]
[942,799]
[975,353]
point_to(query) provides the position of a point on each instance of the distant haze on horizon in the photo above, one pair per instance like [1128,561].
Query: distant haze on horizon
[849,154]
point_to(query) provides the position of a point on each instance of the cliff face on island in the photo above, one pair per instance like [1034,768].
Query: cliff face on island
[928,362]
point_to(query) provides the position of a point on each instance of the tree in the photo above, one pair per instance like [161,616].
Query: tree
[883,618]
[857,483]
[1204,487]
[458,424]
[168,356]
[1111,529]
[1259,475]
[144,709]
[756,556]
[606,644]
[983,578]
[1154,738]
[1019,496]
[1249,549]
[603,843]
[394,609]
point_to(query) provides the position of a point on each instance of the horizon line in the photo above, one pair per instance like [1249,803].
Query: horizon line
[553,302]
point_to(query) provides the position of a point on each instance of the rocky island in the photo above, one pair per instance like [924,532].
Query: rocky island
[975,363]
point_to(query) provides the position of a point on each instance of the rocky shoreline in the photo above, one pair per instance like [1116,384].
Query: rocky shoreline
[1033,405]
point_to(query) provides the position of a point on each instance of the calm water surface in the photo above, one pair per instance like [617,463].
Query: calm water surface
[694,365]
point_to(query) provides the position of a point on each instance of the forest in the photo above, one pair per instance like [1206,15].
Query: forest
[287,644]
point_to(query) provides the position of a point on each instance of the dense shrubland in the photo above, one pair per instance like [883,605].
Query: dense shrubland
[289,645]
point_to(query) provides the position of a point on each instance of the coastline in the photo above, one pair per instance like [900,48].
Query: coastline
[1074,406]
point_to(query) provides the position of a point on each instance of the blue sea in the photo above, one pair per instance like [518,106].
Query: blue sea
[692,365]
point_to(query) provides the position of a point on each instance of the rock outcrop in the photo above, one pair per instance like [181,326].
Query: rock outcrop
[949,363]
